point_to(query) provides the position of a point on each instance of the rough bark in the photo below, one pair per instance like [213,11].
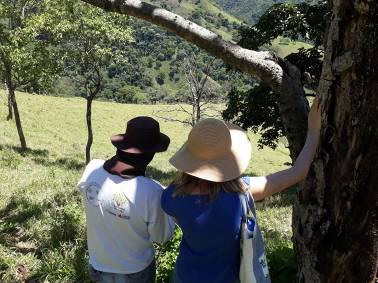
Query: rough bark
[89,128]
[293,107]
[280,75]
[335,218]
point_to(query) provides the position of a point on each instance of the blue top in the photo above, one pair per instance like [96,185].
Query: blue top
[210,247]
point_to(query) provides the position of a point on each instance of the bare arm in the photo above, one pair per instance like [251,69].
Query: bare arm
[262,187]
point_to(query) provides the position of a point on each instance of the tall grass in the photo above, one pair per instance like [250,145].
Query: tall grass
[42,222]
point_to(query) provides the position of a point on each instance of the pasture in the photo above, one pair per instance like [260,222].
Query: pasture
[42,223]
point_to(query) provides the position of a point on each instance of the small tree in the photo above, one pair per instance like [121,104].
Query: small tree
[25,56]
[91,40]
[200,94]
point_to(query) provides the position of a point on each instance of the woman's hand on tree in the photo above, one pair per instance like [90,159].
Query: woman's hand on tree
[314,117]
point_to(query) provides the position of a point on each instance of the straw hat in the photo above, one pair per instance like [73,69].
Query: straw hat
[215,151]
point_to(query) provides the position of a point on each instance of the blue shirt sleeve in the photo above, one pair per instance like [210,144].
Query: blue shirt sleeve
[167,201]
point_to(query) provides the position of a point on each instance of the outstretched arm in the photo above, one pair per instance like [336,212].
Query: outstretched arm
[262,187]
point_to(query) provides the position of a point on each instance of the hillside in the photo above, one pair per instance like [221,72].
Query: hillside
[206,13]
[153,69]
[251,10]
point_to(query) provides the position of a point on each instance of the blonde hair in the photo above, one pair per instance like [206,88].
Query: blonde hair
[184,184]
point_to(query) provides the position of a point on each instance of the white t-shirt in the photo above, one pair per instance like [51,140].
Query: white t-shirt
[124,217]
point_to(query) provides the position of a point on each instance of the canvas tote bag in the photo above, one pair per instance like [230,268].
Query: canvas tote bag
[253,263]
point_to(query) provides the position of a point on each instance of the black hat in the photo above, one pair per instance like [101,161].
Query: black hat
[142,136]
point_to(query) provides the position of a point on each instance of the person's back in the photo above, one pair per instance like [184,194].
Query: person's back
[209,250]
[123,219]
[208,197]
[122,207]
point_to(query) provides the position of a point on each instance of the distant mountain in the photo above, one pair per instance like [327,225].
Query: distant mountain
[250,10]
[153,70]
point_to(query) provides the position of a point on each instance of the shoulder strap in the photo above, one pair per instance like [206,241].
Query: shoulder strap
[244,207]
[249,197]
[250,203]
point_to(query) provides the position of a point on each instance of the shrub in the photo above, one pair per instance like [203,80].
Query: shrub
[166,255]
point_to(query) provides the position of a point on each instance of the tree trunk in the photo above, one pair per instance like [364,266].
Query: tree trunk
[10,103]
[335,216]
[194,114]
[13,103]
[294,108]
[89,128]
[198,111]
[18,121]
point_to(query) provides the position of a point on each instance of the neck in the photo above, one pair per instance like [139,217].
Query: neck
[127,165]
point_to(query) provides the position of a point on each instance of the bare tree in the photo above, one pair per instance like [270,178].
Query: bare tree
[200,94]
[282,76]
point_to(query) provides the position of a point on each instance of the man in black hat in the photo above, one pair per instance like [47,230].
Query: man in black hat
[122,207]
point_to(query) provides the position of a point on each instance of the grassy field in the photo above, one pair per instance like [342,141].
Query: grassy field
[42,225]
[284,46]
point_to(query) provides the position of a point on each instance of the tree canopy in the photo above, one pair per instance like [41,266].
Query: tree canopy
[257,108]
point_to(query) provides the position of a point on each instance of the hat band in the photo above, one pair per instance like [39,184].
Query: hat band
[142,140]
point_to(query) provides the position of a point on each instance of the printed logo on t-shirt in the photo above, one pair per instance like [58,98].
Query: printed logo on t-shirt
[118,205]
[115,203]
[91,191]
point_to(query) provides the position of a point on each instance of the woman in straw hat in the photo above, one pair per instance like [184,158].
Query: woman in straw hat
[204,197]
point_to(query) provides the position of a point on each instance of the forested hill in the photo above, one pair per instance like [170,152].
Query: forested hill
[206,13]
[251,10]
[153,69]
[153,72]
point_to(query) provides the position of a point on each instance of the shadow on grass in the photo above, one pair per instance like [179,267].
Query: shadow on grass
[80,262]
[283,199]
[14,219]
[26,152]
[64,220]
[165,178]
[64,163]
[281,257]
[20,210]
[39,156]
[65,263]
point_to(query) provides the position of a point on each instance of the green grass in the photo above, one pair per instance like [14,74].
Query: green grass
[284,46]
[42,224]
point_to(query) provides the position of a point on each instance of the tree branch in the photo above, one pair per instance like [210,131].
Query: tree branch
[263,65]
[171,119]
[184,110]
[280,75]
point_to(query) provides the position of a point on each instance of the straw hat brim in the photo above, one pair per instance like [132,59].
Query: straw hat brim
[228,167]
